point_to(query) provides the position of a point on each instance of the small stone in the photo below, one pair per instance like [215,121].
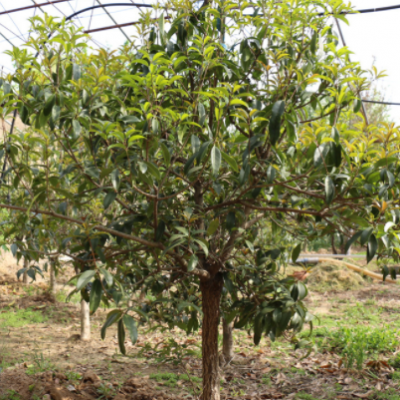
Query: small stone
[90,377]
[61,376]
[46,397]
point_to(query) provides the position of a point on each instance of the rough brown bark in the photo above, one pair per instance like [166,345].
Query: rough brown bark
[211,296]
[227,341]
[85,320]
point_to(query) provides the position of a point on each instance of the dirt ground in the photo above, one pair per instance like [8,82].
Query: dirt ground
[44,361]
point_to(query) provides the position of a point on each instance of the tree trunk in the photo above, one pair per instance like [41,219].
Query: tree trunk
[227,342]
[52,279]
[211,296]
[85,320]
[25,278]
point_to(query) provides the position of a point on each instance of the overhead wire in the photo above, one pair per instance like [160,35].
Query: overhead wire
[115,22]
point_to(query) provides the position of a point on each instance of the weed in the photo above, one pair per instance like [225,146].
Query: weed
[266,380]
[106,391]
[395,361]
[41,364]
[305,396]
[396,376]
[73,376]
[390,394]
[10,395]
[357,343]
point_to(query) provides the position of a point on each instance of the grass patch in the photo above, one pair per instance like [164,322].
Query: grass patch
[171,379]
[17,318]
[357,344]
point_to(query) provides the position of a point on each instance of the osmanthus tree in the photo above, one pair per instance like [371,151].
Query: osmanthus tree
[160,164]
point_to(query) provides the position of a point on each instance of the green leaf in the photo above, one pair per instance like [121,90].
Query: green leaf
[366,233]
[155,125]
[153,170]
[313,43]
[202,245]
[166,154]
[275,121]
[195,144]
[95,296]
[160,231]
[296,252]
[388,226]
[202,152]
[329,190]
[192,263]
[110,197]
[131,325]
[271,173]
[371,248]
[76,72]
[24,114]
[391,179]
[385,272]
[357,106]
[112,317]
[76,127]
[115,179]
[85,278]
[212,227]
[121,336]
[230,220]
[107,276]
[48,107]
[202,114]
[189,164]
[161,29]
[230,161]
[215,160]
[393,273]
[55,113]
[258,328]
[354,238]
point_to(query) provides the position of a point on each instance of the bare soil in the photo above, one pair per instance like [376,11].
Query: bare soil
[48,359]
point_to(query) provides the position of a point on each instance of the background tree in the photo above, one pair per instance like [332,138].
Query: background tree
[164,161]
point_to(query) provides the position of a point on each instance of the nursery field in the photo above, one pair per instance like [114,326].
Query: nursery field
[352,351]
